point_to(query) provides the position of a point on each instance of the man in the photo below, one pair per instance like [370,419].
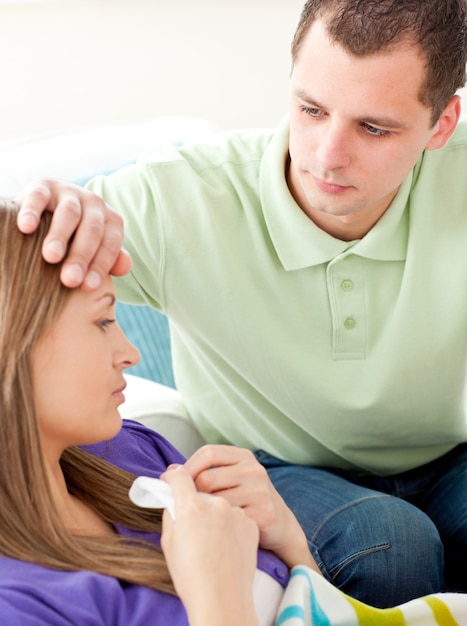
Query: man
[315,278]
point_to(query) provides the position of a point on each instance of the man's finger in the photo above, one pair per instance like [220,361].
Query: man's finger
[32,202]
[123,264]
[84,231]
[67,217]
[214,456]
[109,256]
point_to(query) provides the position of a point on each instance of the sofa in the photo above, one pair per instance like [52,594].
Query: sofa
[151,396]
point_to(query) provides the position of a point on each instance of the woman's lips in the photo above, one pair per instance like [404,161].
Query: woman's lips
[118,393]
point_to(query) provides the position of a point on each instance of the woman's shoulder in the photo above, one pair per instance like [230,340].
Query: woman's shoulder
[138,449]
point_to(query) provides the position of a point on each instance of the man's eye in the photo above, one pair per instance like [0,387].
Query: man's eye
[376,132]
[311,111]
[104,324]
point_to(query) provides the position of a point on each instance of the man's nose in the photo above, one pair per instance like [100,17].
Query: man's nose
[334,150]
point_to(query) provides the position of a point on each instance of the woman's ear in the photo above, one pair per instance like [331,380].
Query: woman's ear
[446,124]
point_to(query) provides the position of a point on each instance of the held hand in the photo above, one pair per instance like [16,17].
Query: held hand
[98,231]
[236,475]
[210,550]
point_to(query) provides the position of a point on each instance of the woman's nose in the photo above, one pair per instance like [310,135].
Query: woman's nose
[128,353]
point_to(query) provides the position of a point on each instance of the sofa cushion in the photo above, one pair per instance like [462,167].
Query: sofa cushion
[148,330]
[78,156]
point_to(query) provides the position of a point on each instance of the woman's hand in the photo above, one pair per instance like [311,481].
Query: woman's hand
[96,248]
[235,474]
[211,550]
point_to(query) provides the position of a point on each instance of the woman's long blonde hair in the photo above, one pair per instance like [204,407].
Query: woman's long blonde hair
[31,298]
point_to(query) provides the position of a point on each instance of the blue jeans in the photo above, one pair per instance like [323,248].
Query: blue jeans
[382,540]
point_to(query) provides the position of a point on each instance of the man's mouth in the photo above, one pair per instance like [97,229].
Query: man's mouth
[332,188]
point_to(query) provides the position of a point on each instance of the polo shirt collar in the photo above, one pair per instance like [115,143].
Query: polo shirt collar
[298,242]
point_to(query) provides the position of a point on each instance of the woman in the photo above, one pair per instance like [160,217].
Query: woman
[73,547]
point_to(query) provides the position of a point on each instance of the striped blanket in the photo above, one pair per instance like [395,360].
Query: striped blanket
[310,600]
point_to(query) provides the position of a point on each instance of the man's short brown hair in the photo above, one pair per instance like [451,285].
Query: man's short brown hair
[368,27]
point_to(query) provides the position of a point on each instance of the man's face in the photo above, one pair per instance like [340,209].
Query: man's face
[357,129]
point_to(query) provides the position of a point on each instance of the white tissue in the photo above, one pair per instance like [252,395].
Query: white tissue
[267,592]
[152,493]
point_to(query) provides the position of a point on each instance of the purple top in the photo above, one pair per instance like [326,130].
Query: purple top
[32,595]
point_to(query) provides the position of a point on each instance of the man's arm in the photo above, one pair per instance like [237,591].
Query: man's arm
[85,231]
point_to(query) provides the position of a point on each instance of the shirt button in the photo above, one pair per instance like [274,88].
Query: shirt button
[347,285]
[350,323]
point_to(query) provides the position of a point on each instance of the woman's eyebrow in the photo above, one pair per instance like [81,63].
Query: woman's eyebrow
[108,295]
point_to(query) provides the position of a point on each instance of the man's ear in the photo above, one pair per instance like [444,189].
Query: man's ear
[446,124]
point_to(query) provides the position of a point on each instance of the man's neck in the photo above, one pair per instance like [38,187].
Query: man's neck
[348,227]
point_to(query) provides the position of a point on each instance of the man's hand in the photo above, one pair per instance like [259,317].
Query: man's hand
[236,475]
[82,218]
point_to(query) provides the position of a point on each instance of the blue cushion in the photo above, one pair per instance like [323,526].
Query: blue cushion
[148,330]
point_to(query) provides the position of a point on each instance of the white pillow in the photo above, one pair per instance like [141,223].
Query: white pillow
[79,156]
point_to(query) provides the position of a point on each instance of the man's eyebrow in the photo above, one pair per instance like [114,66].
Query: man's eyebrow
[383,121]
[303,95]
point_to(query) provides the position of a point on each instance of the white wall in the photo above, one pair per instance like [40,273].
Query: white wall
[85,63]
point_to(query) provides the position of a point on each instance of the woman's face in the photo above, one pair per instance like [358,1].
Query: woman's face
[78,372]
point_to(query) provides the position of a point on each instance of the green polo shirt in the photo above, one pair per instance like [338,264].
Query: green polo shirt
[319,351]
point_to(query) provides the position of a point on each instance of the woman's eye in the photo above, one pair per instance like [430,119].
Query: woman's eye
[104,324]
